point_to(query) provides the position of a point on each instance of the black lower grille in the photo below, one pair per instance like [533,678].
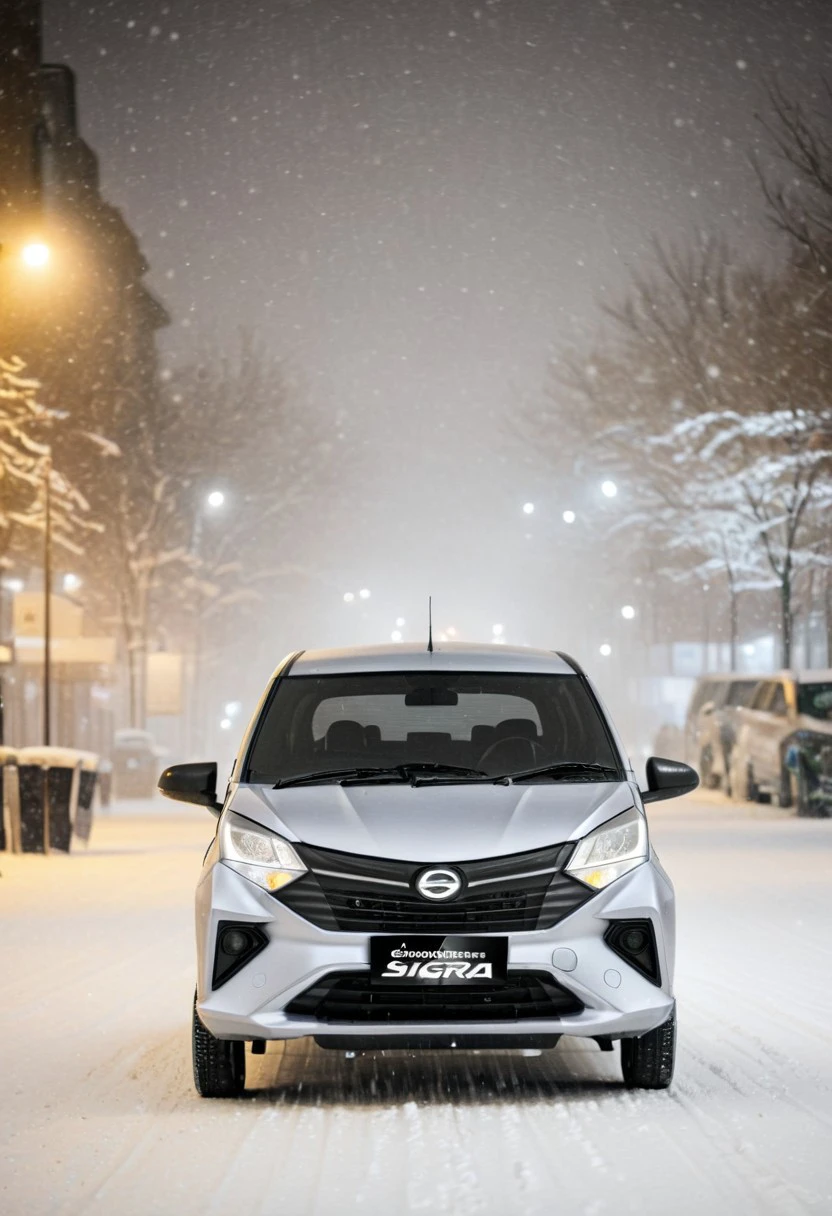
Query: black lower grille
[523,891]
[349,997]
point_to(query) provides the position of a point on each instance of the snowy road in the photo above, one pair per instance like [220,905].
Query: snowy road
[98,1113]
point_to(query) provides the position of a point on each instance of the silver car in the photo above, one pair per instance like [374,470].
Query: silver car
[432,849]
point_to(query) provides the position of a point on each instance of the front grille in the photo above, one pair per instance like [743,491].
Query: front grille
[522,891]
[350,997]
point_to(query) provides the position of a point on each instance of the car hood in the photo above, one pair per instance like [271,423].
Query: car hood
[435,823]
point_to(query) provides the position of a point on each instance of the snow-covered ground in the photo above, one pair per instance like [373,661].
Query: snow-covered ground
[98,1112]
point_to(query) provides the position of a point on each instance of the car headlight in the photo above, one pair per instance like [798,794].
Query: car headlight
[611,850]
[258,854]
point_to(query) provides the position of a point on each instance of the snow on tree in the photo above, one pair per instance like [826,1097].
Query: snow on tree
[26,466]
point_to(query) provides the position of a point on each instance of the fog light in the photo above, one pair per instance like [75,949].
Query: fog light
[634,940]
[237,945]
[234,941]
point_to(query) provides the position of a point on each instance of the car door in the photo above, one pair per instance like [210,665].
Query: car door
[773,727]
[756,728]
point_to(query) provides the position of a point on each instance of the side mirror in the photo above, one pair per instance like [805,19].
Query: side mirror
[195,783]
[668,779]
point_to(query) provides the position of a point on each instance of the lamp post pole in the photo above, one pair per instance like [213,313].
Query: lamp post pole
[47,602]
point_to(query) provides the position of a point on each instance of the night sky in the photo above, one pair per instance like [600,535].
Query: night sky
[417,202]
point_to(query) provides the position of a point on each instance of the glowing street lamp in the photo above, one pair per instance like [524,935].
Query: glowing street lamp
[71,583]
[569,517]
[364,594]
[609,489]
[35,255]
[605,649]
[528,508]
[628,612]
[215,499]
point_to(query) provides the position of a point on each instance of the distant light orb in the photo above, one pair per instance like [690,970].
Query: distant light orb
[15,585]
[215,499]
[749,648]
[349,596]
[451,632]
[400,622]
[364,594]
[628,612]
[35,255]
[569,517]
[71,582]
[225,724]
[609,489]
[528,508]
[396,635]
[443,637]
[232,709]
[497,630]
[605,649]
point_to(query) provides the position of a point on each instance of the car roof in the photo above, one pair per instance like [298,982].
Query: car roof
[822,675]
[446,656]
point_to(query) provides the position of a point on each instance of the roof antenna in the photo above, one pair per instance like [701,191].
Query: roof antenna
[430,625]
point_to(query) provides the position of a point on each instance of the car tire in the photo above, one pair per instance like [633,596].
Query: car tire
[751,792]
[706,770]
[647,1062]
[219,1064]
[786,792]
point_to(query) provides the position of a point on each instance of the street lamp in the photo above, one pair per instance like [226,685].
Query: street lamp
[569,517]
[528,508]
[628,612]
[364,594]
[605,649]
[71,583]
[215,499]
[609,489]
[35,255]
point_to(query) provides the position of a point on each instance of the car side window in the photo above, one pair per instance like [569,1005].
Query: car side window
[762,695]
[778,702]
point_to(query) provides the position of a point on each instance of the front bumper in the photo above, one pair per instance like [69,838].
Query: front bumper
[618,1000]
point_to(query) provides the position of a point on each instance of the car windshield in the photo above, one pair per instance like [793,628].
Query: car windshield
[494,724]
[815,700]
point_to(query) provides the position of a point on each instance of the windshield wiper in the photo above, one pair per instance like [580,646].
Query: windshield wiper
[429,772]
[424,772]
[565,769]
[341,774]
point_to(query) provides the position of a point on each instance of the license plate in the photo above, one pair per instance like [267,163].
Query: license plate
[416,961]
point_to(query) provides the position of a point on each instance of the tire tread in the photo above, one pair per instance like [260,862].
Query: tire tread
[219,1064]
[647,1062]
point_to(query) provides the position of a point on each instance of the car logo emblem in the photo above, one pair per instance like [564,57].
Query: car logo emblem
[438,884]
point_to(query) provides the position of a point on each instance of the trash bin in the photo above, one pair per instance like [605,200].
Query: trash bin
[7,778]
[87,777]
[48,790]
